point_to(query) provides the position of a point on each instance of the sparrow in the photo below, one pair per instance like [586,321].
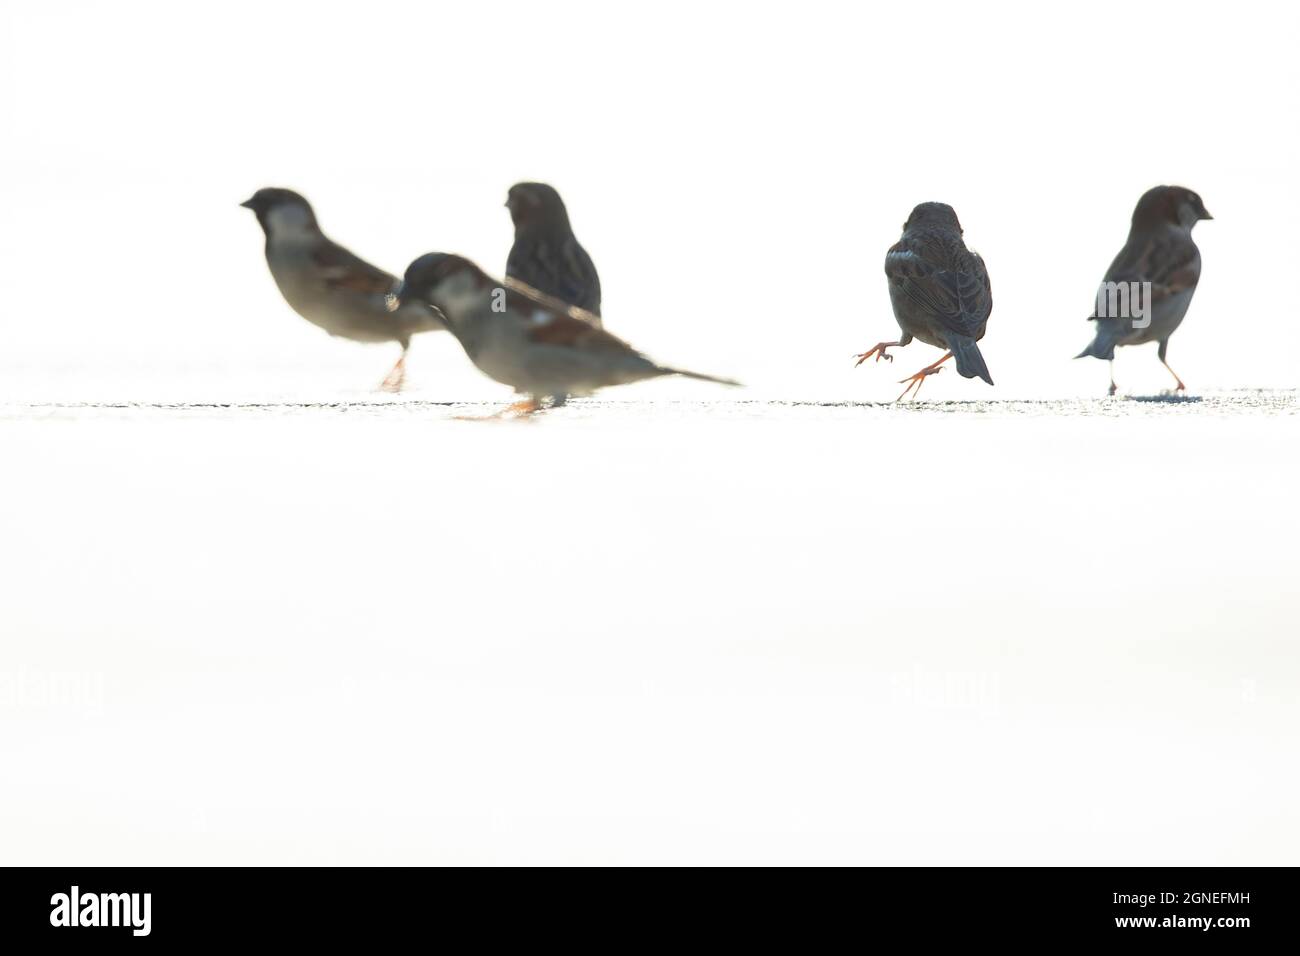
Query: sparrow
[330,287]
[540,346]
[1160,251]
[940,292]
[546,254]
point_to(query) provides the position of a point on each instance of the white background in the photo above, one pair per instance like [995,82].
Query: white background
[644,631]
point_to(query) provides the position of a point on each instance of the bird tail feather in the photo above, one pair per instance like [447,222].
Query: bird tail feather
[700,377]
[1103,344]
[970,362]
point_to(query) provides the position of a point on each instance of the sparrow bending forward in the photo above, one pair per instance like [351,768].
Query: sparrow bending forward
[546,254]
[940,292]
[329,286]
[538,345]
[1160,251]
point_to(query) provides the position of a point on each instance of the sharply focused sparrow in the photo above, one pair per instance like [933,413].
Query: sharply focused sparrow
[329,286]
[1160,251]
[546,254]
[940,292]
[538,345]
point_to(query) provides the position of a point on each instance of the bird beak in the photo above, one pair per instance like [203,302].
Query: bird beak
[247,203]
[393,301]
[1206,214]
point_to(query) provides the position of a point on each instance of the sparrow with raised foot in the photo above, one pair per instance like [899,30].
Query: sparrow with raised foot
[546,254]
[330,287]
[1159,251]
[940,292]
[538,345]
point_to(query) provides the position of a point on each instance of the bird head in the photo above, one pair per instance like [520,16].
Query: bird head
[280,210]
[439,280]
[1175,205]
[932,214]
[536,204]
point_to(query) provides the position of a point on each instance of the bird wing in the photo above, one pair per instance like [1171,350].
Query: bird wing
[550,302]
[957,293]
[1169,261]
[562,266]
[584,283]
[342,270]
[565,326]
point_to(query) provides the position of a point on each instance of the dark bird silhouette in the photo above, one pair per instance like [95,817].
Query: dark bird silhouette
[940,292]
[330,287]
[1160,251]
[546,255]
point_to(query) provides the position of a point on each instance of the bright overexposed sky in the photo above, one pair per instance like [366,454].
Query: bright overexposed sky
[736,171]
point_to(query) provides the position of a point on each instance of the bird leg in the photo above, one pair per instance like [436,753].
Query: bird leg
[878,350]
[395,379]
[916,380]
[1113,387]
[1181,387]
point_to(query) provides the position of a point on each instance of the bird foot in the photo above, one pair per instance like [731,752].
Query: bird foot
[915,381]
[1112,390]
[517,410]
[878,350]
[521,409]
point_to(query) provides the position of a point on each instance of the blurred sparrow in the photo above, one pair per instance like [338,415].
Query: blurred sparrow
[546,255]
[538,345]
[940,292]
[329,286]
[1159,251]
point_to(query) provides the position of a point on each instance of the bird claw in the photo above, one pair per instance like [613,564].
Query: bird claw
[915,381]
[516,412]
[880,352]
[920,376]
[521,409]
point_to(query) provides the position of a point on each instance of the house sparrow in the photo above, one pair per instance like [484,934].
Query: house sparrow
[540,346]
[546,254]
[329,286]
[940,292]
[1160,251]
